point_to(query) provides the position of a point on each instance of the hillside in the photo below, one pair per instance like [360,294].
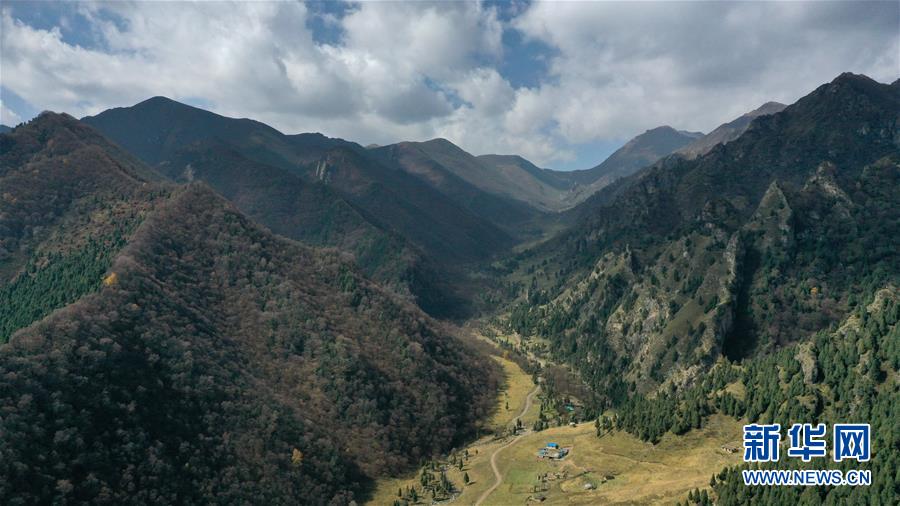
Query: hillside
[846,372]
[758,244]
[728,132]
[514,163]
[158,130]
[70,199]
[449,229]
[188,144]
[463,176]
[316,215]
[202,359]
[324,192]
[636,154]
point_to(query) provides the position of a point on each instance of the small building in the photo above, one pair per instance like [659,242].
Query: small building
[560,453]
[552,451]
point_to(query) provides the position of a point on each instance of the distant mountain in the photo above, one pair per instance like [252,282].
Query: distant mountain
[158,129]
[729,131]
[761,243]
[758,281]
[396,224]
[316,215]
[4,129]
[164,348]
[77,187]
[450,228]
[155,129]
[458,174]
[513,163]
[636,154]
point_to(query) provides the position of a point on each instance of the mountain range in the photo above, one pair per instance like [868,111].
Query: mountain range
[636,154]
[652,145]
[322,191]
[760,242]
[202,309]
[165,348]
[728,132]
[446,166]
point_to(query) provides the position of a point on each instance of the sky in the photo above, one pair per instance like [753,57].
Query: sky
[561,83]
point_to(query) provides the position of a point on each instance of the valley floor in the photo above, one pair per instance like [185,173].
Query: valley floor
[617,468]
[640,473]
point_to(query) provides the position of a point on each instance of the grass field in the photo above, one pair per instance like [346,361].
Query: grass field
[516,388]
[640,473]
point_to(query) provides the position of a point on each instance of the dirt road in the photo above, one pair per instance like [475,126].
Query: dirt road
[498,478]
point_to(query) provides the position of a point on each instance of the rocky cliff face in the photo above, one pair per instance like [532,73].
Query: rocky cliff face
[759,243]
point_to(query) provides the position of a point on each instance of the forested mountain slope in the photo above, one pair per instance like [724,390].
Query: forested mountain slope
[843,374]
[636,154]
[502,191]
[69,200]
[157,128]
[160,130]
[206,360]
[448,229]
[514,163]
[759,243]
[728,132]
[316,215]
[245,161]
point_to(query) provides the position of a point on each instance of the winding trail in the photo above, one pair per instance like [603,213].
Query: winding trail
[498,478]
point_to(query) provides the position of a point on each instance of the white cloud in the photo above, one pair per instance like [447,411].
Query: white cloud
[414,71]
[8,117]
[437,40]
[626,68]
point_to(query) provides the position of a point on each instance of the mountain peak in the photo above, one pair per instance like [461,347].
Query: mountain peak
[52,116]
[670,131]
[159,99]
[161,102]
[173,124]
[766,109]
[441,142]
[730,131]
[636,154]
[54,123]
[849,82]
[850,77]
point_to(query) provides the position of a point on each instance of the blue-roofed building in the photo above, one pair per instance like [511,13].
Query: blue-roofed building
[552,451]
